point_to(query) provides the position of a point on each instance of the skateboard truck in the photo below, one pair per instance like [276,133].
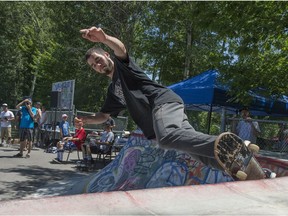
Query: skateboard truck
[236,157]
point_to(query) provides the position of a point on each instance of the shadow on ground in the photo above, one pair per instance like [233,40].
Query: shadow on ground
[38,177]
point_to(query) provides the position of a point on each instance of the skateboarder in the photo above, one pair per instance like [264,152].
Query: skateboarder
[157,110]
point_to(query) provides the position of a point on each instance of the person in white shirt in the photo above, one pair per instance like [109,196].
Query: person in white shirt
[106,139]
[6,117]
[42,122]
[101,146]
[36,130]
[247,129]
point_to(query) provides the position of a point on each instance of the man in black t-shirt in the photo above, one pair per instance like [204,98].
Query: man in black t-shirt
[157,110]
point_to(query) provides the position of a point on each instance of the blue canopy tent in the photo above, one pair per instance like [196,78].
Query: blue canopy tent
[205,93]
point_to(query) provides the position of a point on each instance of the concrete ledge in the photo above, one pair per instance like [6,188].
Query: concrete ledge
[263,197]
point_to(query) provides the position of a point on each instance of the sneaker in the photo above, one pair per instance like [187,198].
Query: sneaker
[269,173]
[27,155]
[18,155]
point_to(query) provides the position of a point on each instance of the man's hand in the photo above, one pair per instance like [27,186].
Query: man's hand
[98,35]
[94,34]
[66,139]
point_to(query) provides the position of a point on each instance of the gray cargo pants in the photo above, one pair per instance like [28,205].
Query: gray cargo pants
[173,131]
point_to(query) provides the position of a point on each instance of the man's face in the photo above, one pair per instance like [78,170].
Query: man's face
[245,113]
[101,63]
[28,103]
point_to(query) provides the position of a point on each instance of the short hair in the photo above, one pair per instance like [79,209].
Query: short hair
[98,50]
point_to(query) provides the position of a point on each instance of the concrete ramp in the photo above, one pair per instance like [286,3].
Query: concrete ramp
[141,165]
[262,197]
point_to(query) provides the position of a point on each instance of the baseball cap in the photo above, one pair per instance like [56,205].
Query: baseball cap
[4,104]
[64,115]
[38,103]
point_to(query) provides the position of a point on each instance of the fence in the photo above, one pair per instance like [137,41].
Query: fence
[120,123]
[273,135]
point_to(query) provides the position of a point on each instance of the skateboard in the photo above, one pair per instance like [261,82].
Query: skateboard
[236,157]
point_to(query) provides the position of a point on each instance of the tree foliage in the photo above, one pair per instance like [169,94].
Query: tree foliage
[40,44]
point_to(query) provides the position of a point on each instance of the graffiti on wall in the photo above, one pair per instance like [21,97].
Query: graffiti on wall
[142,164]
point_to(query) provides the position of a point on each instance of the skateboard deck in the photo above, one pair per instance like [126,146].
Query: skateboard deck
[237,158]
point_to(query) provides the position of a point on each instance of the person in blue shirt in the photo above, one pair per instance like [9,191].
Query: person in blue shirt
[26,125]
[64,127]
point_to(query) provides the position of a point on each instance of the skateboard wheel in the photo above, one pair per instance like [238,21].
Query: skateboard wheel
[273,175]
[241,175]
[247,142]
[254,148]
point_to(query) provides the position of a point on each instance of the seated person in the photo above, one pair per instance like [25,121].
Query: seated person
[75,141]
[101,146]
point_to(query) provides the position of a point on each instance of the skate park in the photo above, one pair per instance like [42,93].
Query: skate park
[143,179]
[44,43]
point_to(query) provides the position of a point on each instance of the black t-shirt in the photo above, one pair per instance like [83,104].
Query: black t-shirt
[131,88]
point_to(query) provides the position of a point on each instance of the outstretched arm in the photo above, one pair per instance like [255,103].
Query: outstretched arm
[98,118]
[98,35]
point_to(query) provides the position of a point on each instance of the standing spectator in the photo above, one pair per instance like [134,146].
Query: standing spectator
[26,125]
[6,117]
[282,137]
[37,117]
[64,127]
[44,117]
[247,129]
[42,122]
[18,117]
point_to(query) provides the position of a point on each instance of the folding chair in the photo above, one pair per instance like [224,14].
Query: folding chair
[70,150]
[106,154]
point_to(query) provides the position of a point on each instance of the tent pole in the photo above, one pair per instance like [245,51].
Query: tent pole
[209,119]
[223,121]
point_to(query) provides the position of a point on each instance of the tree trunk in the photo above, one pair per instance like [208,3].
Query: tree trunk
[188,52]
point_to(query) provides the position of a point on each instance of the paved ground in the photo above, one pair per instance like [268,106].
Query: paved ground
[24,178]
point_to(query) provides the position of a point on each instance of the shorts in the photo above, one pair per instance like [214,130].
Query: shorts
[70,145]
[26,133]
[6,132]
